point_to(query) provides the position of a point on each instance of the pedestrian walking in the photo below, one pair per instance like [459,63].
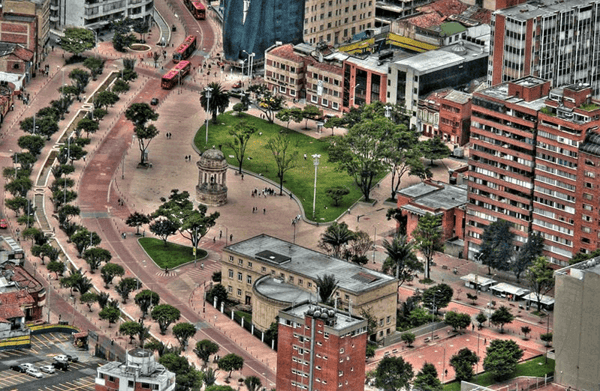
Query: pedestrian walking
[304,156]
[472,327]
[231,238]
[202,266]
[220,234]
[264,210]
[242,176]
[214,239]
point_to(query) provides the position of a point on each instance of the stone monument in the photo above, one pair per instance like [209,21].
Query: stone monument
[212,178]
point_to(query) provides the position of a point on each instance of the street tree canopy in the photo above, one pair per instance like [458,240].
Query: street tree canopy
[496,245]
[502,358]
[77,40]
[393,374]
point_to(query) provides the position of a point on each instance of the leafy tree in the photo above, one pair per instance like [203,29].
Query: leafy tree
[393,374]
[336,194]
[81,79]
[370,351]
[110,271]
[241,133]
[95,256]
[204,349]
[122,41]
[367,314]
[89,298]
[501,358]
[230,363]
[81,283]
[273,332]
[62,197]
[49,111]
[481,319]
[401,260]
[525,330]
[358,247]
[403,155]
[16,204]
[145,300]
[95,65]
[220,292]
[131,329]
[106,98]
[239,108]
[88,126]
[501,317]
[145,135]
[98,114]
[435,149]
[463,362]
[156,345]
[360,153]
[546,338]
[19,187]
[219,388]
[496,245]
[266,101]
[126,286]
[427,379]
[457,320]
[419,316]
[84,239]
[186,377]
[428,238]
[36,235]
[408,338]
[285,159]
[540,278]
[310,112]
[165,314]
[136,220]
[210,377]
[140,114]
[252,383]
[111,314]
[288,115]
[326,286]
[72,153]
[437,296]
[335,238]
[62,170]
[218,102]
[56,267]
[33,144]
[77,40]
[163,228]
[531,250]
[140,26]
[103,299]
[41,251]
[66,213]
[183,332]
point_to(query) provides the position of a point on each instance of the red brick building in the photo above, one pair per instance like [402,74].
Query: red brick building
[437,198]
[455,117]
[320,349]
[21,29]
[365,80]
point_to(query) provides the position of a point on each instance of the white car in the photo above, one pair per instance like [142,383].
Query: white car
[61,358]
[34,372]
[47,369]
[28,365]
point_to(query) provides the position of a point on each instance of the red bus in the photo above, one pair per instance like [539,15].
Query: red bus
[185,49]
[196,8]
[174,76]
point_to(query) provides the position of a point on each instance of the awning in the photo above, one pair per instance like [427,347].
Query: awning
[477,279]
[509,289]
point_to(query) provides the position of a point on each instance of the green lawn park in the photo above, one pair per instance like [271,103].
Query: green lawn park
[170,256]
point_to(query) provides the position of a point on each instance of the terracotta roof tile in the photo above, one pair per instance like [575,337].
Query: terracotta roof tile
[427,20]
[445,7]
[287,52]
[18,298]
[11,311]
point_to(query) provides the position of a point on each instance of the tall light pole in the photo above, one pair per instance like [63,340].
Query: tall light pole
[242,62]
[316,163]
[208,95]
[433,311]
[354,95]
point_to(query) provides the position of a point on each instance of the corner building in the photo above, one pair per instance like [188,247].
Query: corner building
[320,349]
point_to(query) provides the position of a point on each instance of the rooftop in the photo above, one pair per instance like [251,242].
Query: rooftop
[579,270]
[286,52]
[535,8]
[336,320]
[312,264]
[477,279]
[435,196]
[277,289]
[458,97]
[7,48]
[510,289]
[500,92]
[591,144]
[445,57]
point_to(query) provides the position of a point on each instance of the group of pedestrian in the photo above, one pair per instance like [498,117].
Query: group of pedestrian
[120,202]
[255,210]
[188,158]
[169,134]
[265,192]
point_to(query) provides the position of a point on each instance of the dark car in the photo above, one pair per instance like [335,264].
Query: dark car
[154,101]
[18,368]
[72,358]
[64,366]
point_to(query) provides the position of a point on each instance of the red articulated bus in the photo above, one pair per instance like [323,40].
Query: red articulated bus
[196,8]
[174,76]
[185,49]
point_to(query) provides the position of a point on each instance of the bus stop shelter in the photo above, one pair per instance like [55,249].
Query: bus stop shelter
[511,292]
[477,282]
[547,302]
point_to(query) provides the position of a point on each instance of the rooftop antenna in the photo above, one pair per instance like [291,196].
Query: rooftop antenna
[350,309]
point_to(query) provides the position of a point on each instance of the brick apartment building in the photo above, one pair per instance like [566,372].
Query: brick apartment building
[336,21]
[21,29]
[533,162]
[549,39]
[41,10]
[140,372]
[455,117]
[320,349]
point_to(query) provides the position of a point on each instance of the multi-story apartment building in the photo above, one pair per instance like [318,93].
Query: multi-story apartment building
[554,40]
[97,14]
[455,117]
[336,21]
[575,334]
[365,79]
[246,266]
[139,372]
[320,348]
[534,159]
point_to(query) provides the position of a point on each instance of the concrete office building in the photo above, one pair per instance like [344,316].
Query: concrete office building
[320,349]
[576,318]
[96,14]
[336,21]
[245,264]
[551,39]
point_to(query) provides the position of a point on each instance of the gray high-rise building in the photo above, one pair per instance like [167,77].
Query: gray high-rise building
[96,14]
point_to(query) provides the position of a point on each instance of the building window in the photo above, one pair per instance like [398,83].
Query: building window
[282,89]
[388,319]
[586,218]
[587,207]
[347,297]
[341,373]
[342,350]
[291,279]
[249,265]
[230,289]
[335,106]
[324,102]
[263,269]
[310,284]
[239,292]
[314,99]
[589,185]
[240,276]
[249,279]
[588,196]
[292,92]
[230,273]
[587,230]
[130,383]
[231,258]
[299,281]
[381,322]
[326,335]
[240,262]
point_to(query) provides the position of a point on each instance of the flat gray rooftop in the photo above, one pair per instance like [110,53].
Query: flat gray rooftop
[312,264]
[342,319]
[500,92]
[432,197]
[276,289]
[445,57]
[458,97]
[537,8]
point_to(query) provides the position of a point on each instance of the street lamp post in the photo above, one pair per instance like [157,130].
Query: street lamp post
[433,311]
[242,62]
[374,243]
[316,163]
[208,94]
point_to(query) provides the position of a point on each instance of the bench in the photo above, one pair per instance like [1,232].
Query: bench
[436,336]
[386,354]
[426,339]
[394,350]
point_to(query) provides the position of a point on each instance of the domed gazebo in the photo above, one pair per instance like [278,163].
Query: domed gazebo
[212,178]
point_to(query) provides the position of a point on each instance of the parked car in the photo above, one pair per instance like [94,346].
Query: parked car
[3,224]
[27,365]
[34,372]
[62,365]
[47,369]
[66,358]
[18,368]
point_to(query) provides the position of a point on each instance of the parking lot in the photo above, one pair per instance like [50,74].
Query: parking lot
[79,376]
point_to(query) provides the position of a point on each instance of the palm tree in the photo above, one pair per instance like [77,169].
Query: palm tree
[219,100]
[335,238]
[210,377]
[252,383]
[326,285]
[401,256]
